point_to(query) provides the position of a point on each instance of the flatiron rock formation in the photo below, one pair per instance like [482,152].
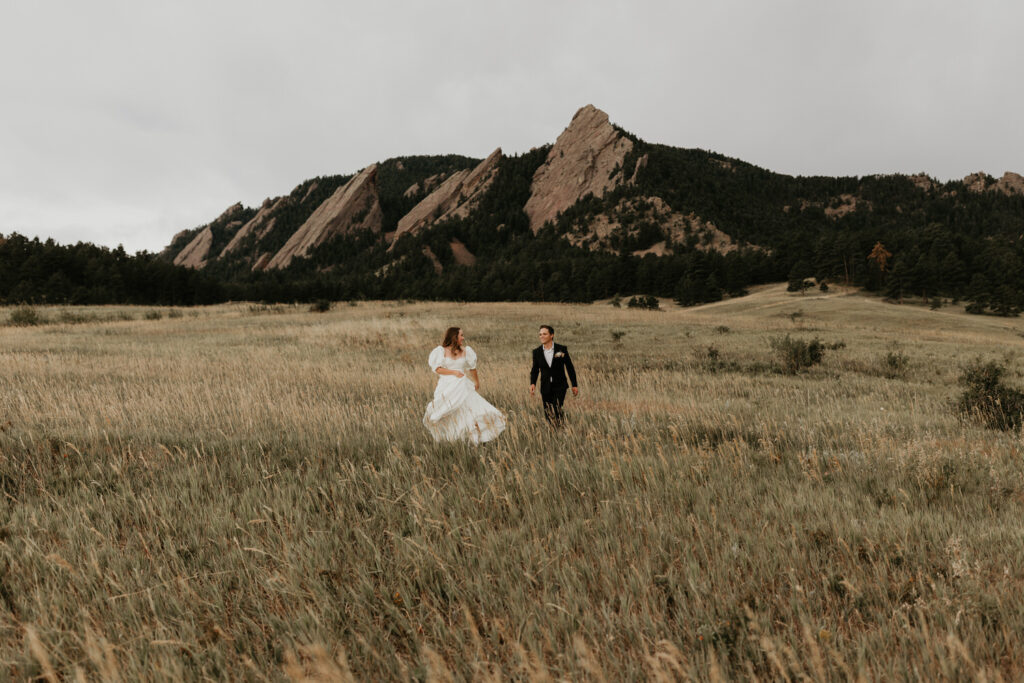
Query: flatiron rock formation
[195,252]
[454,198]
[353,206]
[259,225]
[581,161]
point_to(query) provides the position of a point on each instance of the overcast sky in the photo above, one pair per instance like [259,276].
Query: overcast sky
[125,122]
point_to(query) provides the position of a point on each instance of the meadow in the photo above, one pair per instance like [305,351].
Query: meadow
[247,492]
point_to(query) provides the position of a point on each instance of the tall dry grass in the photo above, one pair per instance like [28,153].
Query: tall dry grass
[248,493]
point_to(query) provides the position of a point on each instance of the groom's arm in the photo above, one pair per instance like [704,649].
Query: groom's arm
[534,371]
[572,372]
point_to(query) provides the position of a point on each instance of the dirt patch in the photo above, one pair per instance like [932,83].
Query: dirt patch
[463,256]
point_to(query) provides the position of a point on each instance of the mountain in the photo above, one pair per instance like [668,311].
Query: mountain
[597,212]
[601,211]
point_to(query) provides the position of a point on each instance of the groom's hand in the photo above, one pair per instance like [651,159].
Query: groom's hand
[532,387]
[575,391]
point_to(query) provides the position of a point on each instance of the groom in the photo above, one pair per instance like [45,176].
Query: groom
[551,361]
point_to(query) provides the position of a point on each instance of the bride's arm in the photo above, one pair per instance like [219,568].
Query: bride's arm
[435,361]
[475,377]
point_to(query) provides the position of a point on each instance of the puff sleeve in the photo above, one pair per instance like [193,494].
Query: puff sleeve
[436,358]
[470,358]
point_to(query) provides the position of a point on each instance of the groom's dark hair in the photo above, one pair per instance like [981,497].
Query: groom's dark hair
[550,329]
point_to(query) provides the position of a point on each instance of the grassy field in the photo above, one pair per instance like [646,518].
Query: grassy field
[247,492]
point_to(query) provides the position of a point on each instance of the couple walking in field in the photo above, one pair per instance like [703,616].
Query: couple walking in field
[458,412]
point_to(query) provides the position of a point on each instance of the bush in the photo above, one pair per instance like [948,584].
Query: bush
[823,287]
[987,400]
[648,302]
[617,336]
[154,315]
[617,301]
[71,317]
[712,359]
[799,285]
[794,355]
[320,306]
[25,316]
[894,364]
[175,313]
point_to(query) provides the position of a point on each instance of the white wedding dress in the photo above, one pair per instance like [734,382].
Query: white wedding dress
[457,411]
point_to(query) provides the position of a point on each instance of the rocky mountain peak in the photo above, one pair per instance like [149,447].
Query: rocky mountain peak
[583,160]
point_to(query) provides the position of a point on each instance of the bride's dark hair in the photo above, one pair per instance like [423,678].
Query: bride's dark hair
[451,339]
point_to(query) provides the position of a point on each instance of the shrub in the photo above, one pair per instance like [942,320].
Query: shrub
[71,317]
[320,306]
[794,355]
[175,313]
[823,287]
[722,329]
[617,301]
[799,285]
[154,315]
[894,364]
[617,336]
[648,302]
[986,399]
[712,359]
[25,316]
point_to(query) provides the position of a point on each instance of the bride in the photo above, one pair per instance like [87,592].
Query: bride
[457,411]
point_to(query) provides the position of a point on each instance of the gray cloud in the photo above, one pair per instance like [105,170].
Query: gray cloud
[124,122]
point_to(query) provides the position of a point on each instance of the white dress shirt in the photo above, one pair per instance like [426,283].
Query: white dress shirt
[549,355]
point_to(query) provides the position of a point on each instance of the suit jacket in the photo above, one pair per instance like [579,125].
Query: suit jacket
[552,378]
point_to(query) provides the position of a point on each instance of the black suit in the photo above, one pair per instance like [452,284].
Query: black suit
[553,383]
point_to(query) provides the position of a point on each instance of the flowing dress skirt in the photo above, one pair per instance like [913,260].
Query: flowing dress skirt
[459,413]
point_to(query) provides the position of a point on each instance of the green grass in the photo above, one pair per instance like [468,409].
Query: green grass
[234,494]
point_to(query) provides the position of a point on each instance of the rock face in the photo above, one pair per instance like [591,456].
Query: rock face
[454,198]
[259,225]
[353,206]
[582,161]
[195,252]
[463,256]
[1010,184]
[976,182]
[689,229]
[428,185]
[923,182]
[844,204]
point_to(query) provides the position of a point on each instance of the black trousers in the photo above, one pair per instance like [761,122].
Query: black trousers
[553,400]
